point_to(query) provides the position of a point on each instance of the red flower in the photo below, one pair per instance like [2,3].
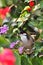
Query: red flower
[31,3]
[7,57]
[3,12]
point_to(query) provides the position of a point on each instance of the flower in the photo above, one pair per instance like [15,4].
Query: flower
[3,12]
[13,44]
[20,49]
[7,57]
[3,29]
[31,3]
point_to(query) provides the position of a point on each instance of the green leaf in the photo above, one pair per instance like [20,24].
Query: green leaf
[27,1]
[41,35]
[18,58]
[36,61]
[41,4]
[25,60]
[9,2]
[40,25]
[15,1]
[3,41]
[2,3]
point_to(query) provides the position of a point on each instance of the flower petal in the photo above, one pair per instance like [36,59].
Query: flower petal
[20,50]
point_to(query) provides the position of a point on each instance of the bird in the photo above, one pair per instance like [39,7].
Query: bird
[27,42]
